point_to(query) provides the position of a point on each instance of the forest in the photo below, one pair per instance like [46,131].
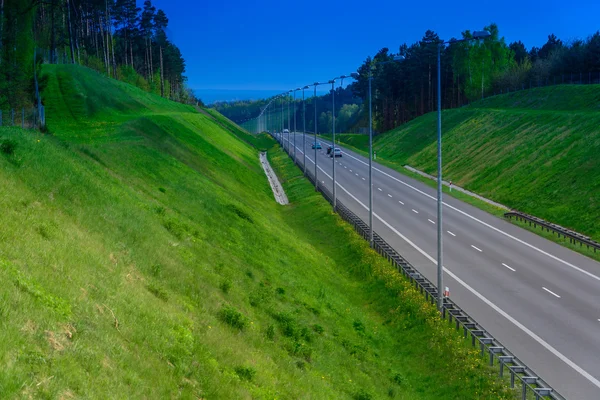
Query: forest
[113,37]
[470,69]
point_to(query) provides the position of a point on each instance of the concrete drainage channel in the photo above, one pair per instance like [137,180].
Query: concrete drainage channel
[505,362]
[278,192]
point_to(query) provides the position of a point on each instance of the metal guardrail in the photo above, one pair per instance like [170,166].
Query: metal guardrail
[574,237]
[499,356]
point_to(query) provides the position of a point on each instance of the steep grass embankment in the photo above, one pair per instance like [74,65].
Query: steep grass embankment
[533,150]
[142,256]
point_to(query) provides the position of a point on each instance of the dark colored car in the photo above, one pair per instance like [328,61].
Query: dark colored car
[316,145]
[329,148]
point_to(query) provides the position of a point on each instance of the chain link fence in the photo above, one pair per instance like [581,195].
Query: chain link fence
[26,117]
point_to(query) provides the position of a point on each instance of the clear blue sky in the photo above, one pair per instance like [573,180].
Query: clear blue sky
[277,45]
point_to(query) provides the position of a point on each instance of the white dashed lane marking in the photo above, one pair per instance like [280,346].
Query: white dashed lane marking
[431,221]
[451,233]
[551,292]
[356,174]
[400,202]
[415,211]
[380,189]
[363,179]
[511,268]
[479,250]
[389,195]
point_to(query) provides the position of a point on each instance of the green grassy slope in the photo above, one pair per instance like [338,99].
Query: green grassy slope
[533,150]
[142,256]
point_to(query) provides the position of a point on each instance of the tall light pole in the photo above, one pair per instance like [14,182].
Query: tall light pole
[440,268]
[341,77]
[281,122]
[370,79]
[295,90]
[288,119]
[332,154]
[304,129]
[316,125]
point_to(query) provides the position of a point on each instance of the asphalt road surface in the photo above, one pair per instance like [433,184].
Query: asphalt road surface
[541,300]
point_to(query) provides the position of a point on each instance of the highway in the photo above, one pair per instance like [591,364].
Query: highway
[541,300]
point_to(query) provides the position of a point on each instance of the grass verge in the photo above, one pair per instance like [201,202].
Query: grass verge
[143,256]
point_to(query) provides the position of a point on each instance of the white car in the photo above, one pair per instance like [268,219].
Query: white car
[286,131]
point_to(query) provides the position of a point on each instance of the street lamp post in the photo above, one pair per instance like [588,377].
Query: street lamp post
[316,125]
[370,79]
[281,131]
[332,154]
[288,119]
[295,90]
[440,268]
[304,130]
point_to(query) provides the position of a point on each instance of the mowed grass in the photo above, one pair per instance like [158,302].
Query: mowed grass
[142,255]
[533,150]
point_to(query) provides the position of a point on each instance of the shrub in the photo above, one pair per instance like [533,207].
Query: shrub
[158,291]
[8,147]
[362,395]
[245,373]
[225,286]
[233,317]
[359,327]
[270,332]
[318,329]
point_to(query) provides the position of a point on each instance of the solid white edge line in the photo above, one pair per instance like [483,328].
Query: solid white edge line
[477,248]
[551,292]
[451,233]
[484,223]
[503,313]
[511,268]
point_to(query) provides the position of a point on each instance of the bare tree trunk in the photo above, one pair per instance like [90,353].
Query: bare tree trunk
[104,49]
[162,75]
[151,63]
[71,44]
[1,25]
[52,37]
[112,42]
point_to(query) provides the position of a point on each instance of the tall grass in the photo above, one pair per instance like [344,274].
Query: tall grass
[142,255]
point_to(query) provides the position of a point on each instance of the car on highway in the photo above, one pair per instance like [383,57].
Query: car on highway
[329,148]
[337,152]
[316,145]
[286,131]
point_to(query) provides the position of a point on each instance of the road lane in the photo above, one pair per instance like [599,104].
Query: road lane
[568,324]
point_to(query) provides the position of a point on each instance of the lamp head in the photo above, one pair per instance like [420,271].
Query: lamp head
[481,34]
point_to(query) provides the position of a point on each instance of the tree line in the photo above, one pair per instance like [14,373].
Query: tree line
[347,107]
[114,37]
[471,69]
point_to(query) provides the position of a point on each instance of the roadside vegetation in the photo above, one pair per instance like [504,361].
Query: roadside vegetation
[533,150]
[143,256]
